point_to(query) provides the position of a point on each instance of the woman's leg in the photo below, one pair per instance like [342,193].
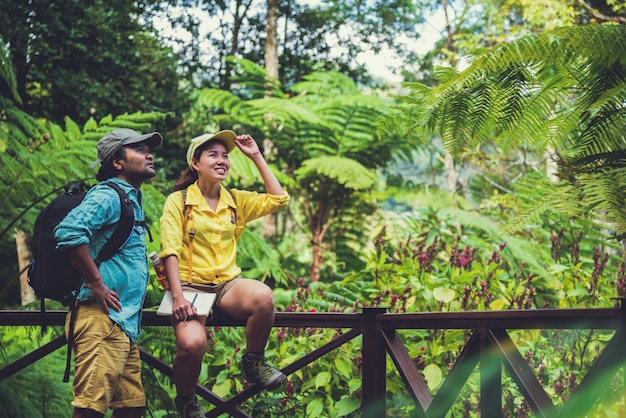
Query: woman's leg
[253,301]
[191,344]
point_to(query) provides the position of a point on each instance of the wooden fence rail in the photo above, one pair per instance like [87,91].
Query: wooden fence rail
[489,347]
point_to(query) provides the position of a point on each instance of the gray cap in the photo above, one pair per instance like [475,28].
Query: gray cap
[114,140]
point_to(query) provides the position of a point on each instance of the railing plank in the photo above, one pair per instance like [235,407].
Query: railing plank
[597,379]
[32,357]
[418,389]
[523,375]
[374,378]
[596,318]
[457,377]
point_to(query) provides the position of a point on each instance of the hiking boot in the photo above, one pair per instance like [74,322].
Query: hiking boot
[189,407]
[258,372]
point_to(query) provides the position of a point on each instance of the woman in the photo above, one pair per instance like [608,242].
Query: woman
[205,259]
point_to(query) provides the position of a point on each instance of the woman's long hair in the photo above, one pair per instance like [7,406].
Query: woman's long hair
[189,176]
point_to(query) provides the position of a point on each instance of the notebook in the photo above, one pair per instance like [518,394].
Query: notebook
[203,302]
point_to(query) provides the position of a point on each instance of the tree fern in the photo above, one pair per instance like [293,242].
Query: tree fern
[324,141]
[563,89]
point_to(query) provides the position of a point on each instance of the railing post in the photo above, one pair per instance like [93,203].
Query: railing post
[622,305]
[374,373]
[490,377]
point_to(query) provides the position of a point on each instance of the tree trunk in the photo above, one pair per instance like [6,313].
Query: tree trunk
[319,228]
[453,176]
[241,10]
[23,258]
[316,264]
[551,166]
[271,39]
[268,227]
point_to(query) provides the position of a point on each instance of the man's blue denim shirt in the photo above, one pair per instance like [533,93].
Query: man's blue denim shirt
[92,223]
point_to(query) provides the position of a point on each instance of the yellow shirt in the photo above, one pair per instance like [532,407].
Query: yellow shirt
[215,243]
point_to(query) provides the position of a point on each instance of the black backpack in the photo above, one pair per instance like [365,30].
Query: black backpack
[50,273]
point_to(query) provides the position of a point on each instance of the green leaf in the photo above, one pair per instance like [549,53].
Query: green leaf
[443,294]
[433,376]
[322,379]
[497,304]
[346,406]
[343,366]
[223,389]
[354,384]
[558,268]
[577,292]
[314,408]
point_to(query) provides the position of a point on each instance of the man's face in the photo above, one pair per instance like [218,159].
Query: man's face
[138,165]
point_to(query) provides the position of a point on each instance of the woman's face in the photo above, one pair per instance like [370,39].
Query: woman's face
[212,163]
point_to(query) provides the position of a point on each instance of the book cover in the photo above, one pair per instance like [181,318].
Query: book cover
[203,302]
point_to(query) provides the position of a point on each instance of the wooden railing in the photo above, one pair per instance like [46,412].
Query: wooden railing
[489,347]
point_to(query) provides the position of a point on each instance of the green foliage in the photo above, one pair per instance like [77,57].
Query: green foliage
[563,89]
[325,144]
[252,81]
[82,60]
[448,259]
[41,158]
[38,390]
[347,172]
[258,259]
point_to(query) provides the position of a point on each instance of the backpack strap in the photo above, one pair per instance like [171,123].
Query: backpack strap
[123,228]
[234,210]
[187,215]
[70,339]
[240,225]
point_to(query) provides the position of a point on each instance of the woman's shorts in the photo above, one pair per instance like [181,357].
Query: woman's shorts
[219,290]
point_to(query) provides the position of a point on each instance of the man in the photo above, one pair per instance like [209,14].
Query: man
[107,371]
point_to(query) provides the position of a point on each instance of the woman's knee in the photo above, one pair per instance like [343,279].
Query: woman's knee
[248,297]
[263,300]
[191,344]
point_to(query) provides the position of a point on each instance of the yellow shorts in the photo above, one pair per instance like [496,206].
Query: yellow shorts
[107,373]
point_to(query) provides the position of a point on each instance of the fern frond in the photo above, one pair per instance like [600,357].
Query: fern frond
[347,172]
[251,80]
[259,259]
[547,83]
[318,86]
[539,197]
[564,90]
[280,112]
